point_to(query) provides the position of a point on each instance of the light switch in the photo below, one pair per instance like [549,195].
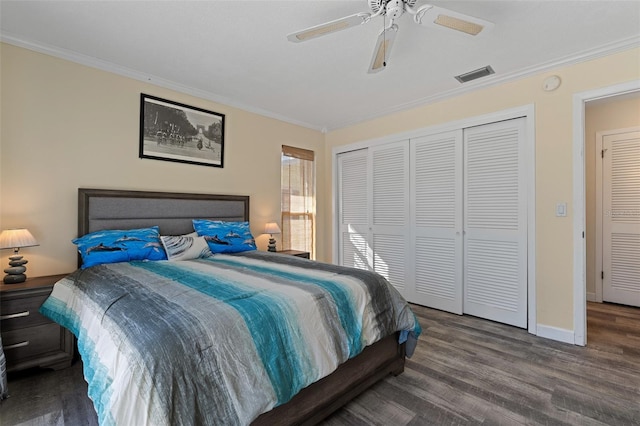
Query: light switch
[561,209]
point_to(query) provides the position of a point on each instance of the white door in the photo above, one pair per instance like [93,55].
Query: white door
[621,218]
[443,217]
[353,210]
[373,209]
[390,211]
[436,207]
[495,222]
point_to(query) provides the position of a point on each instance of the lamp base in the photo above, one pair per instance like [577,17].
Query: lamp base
[14,278]
[15,271]
[272,245]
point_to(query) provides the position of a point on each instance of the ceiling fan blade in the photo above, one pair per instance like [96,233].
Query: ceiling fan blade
[329,27]
[434,16]
[383,49]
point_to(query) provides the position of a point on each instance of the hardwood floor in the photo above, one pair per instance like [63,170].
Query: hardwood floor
[472,371]
[465,371]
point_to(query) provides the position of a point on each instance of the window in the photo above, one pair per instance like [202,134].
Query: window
[298,199]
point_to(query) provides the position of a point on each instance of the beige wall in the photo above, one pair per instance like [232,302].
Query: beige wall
[554,157]
[617,113]
[66,126]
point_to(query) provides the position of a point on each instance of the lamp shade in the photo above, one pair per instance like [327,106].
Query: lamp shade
[271,228]
[16,238]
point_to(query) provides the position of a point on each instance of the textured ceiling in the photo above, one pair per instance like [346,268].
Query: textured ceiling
[236,52]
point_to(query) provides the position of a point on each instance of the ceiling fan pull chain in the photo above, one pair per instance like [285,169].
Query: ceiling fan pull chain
[384,40]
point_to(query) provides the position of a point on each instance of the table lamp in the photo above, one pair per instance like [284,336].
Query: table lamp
[272,228]
[16,239]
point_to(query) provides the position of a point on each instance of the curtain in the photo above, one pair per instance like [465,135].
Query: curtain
[298,202]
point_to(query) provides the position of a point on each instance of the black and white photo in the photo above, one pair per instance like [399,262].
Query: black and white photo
[173,131]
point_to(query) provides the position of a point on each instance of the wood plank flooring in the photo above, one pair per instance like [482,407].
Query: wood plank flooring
[465,371]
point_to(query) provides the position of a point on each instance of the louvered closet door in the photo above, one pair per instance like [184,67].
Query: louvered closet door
[621,218]
[495,220]
[390,209]
[436,189]
[353,210]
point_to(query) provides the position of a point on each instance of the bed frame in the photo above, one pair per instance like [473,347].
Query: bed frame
[115,209]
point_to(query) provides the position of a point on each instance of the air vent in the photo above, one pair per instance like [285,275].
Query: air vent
[475,74]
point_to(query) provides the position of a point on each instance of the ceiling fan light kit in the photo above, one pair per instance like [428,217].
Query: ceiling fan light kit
[427,15]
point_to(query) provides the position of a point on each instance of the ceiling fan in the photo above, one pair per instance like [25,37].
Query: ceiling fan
[427,15]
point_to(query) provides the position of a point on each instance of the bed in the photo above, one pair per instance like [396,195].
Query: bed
[241,376]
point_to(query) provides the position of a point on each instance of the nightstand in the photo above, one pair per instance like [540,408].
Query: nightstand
[28,338]
[304,254]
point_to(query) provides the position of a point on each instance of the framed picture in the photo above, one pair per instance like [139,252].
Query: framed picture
[172,131]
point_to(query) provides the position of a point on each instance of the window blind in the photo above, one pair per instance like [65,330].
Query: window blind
[298,199]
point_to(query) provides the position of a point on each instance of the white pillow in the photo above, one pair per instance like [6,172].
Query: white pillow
[185,247]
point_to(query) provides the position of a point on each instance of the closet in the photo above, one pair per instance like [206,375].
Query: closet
[443,217]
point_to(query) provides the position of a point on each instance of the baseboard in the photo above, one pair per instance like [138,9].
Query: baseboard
[591,297]
[555,333]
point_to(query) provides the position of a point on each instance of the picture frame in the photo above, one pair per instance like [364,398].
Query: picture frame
[172,131]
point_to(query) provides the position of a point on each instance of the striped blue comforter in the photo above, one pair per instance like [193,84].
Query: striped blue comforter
[219,340]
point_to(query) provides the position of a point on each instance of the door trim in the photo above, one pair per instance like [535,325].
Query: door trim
[526,111]
[579,200]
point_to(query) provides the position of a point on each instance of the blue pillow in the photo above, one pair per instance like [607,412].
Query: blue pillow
[117,245]
[225,237]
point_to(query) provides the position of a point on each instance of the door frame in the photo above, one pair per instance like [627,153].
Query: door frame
[526,111]
[599,217]
[579,202]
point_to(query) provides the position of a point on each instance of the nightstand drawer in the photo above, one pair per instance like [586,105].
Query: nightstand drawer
[30,339]
[22,312]
[24,344]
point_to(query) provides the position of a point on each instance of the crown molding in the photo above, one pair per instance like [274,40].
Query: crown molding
[494,80]
[497,79]
[147,78]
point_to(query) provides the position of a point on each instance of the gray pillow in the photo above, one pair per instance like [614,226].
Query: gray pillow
[185,247]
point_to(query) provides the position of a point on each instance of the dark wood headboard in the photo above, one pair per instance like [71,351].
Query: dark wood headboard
[172,211]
